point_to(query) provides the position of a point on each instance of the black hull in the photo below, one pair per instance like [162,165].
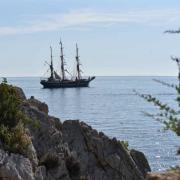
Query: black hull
[66,83]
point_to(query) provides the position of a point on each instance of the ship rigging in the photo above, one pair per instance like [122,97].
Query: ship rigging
[62,81]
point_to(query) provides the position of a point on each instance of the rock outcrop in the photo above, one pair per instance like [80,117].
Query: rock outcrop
[71,150]
[15,166]
[140,161]
[38,104]
[101,157]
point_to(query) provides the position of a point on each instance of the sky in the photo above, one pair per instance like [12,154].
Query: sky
[115,37]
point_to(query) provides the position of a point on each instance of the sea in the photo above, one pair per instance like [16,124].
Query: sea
[111,106]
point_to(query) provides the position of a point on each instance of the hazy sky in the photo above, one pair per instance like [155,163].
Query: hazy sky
[115,37]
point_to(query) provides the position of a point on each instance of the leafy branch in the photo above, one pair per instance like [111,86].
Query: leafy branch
[168,115]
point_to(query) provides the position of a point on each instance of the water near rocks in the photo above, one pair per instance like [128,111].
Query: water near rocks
[109,105]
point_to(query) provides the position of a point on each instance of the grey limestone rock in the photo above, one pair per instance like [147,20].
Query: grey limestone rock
[15,166]
[101,157]
[83,153]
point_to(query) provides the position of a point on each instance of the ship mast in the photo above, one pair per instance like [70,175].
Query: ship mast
[51,65]
[62,62]
[78,63]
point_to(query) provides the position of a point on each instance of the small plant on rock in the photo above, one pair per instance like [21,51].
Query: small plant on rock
[16,139]
[13,134]
[9,106]
[125,144]
[50,161]
[4,80]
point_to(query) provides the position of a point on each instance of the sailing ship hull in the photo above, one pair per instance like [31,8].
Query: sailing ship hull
[66,83]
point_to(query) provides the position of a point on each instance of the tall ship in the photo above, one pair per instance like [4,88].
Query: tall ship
[62,81]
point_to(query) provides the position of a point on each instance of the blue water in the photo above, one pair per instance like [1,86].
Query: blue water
[109,105]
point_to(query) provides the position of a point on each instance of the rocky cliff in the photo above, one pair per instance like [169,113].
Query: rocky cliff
[71,150]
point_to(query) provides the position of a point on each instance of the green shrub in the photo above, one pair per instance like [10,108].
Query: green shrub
[4,80]
[9,106]
[50,161]
[168,115]
[5,135]
[16,139]
[35,123]
[125,144]
[12,131]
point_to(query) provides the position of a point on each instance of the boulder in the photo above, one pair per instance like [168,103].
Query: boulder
[38,104]
[15,166]
[140,161]
[46,137]
[101,157]
[20,93]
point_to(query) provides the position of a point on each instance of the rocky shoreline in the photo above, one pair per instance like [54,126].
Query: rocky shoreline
[71,150]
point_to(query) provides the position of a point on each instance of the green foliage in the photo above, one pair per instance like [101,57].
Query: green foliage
[4,80]
[168,115]
[9,106]
[35,123]
[175,169]
[16,139]
[50,161]
[12,120]
[125,144]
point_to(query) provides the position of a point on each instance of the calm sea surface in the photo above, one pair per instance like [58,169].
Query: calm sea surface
[109,105]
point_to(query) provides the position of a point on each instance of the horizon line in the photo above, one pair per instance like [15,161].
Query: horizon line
[95,75]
